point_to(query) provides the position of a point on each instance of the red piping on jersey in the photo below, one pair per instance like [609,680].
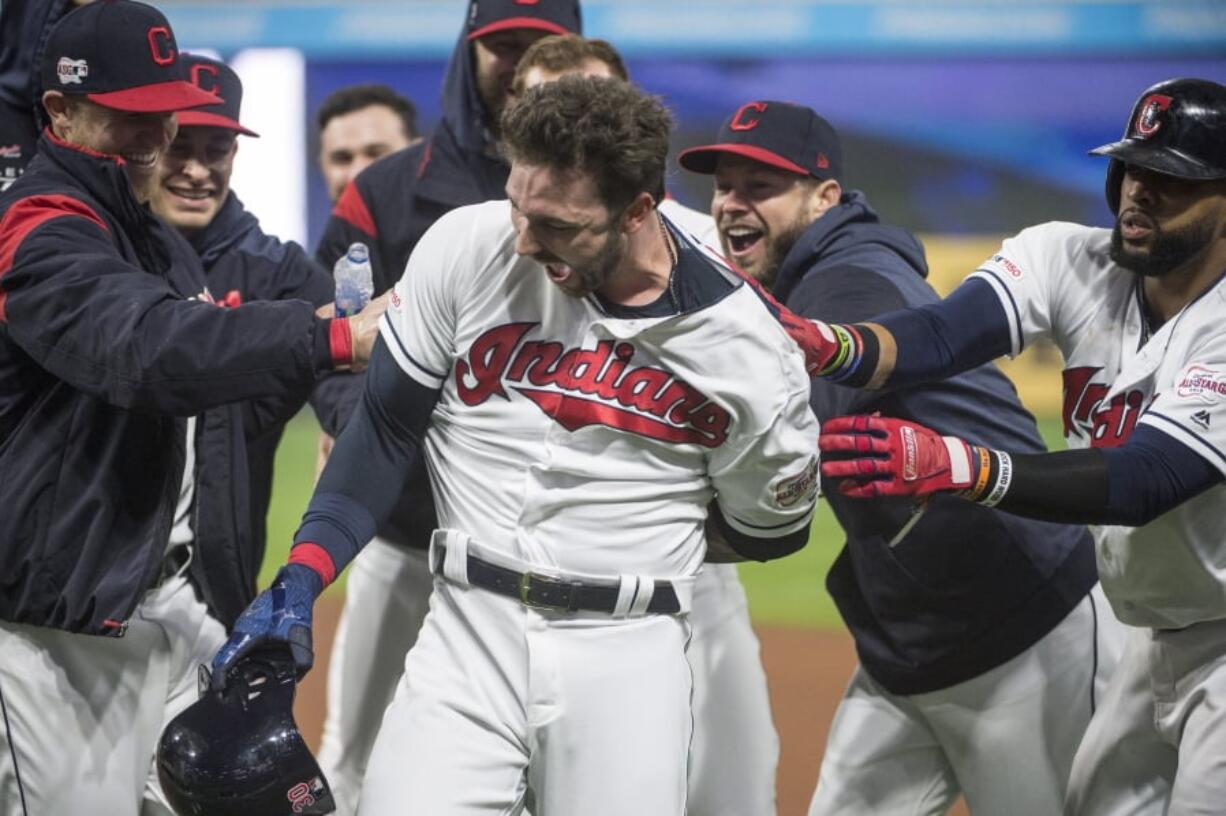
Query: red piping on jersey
[83,149]
[315,558]
[350,207]
[25,216]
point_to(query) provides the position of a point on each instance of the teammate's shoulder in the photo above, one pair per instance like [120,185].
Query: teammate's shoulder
[395,171]
[1065,234]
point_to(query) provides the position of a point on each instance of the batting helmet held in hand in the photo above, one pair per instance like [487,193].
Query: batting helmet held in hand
[1178,128]
[237,752]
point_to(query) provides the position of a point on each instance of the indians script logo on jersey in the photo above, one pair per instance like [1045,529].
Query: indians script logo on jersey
[580,387]
[1106,426]
[1202,383]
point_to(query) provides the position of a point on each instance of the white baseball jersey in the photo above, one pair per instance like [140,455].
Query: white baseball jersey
[1058,280]
[575,440]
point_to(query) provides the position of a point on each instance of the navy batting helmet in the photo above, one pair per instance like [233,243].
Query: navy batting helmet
[238,752]
[1177,127]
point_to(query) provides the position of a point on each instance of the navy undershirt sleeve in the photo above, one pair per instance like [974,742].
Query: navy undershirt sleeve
[371,461]
[938,340]
[756,548]
[1131,485]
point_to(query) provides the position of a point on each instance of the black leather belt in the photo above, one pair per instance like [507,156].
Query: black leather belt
[546,592]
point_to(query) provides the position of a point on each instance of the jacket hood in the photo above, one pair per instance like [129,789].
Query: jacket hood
[463,112]
[846,234]
[24,26]
[227,229]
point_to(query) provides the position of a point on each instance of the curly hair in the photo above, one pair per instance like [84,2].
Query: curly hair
[601,126]
[560,53]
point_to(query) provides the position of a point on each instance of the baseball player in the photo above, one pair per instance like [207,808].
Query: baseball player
[735,750]
[981,644]
[1136,311]
[388,208]
[112,592]
[551,357]
[358,125]
[241,264]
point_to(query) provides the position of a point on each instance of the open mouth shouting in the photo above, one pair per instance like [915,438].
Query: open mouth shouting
[745,245]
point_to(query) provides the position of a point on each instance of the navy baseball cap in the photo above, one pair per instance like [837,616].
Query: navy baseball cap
[781,134]
[550,16]
[121,55]
[218,79]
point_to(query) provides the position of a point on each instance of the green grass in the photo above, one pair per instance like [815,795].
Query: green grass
[787,592]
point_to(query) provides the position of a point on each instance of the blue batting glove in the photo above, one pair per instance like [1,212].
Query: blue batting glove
[280,617]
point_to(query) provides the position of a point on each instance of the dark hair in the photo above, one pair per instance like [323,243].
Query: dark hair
[357,97]
[567,52]
[601,126]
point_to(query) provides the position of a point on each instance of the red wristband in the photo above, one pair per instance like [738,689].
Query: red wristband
[340,342]
[311,555]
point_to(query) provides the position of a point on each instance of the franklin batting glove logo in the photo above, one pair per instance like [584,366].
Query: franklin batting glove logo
[70,71]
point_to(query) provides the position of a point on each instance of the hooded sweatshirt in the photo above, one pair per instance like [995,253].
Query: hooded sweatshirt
[967,587]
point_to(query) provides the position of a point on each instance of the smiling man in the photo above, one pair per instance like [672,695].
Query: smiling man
[1137,313]
[358,125]
[550,357]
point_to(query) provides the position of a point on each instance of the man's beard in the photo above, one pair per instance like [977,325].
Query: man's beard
[1167,250]
[777,249]
[592,276]
[493,97]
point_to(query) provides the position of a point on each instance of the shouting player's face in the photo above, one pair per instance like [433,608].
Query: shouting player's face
[761,211]
[1166,224]
[194,177]
[562,224]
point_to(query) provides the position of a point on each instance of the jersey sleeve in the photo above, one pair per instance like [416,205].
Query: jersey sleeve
[419,326]
[1193,411]
[767,488]
[1022,273]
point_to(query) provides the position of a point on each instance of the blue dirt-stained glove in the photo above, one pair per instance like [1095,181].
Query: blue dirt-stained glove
[279,618]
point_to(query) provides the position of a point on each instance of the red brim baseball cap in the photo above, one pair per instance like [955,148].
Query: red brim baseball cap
[201,118]
[516,23]
[550,16]
[702,159]
[779,134]
[160,97]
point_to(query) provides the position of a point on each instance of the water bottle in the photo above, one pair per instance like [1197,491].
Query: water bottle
[354,283]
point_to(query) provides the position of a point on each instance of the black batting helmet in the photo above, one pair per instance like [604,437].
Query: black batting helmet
[238,752]
[1177,127]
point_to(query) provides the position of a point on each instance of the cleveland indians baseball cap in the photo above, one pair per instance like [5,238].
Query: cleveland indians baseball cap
[780,134]
[550,16]
[218,80]
[122,55]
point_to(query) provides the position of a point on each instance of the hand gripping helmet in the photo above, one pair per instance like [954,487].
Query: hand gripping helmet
[238,752]
[1177,127]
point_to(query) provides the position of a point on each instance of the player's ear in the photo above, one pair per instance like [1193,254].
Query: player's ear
[641,208]
[823,195]
[56,105]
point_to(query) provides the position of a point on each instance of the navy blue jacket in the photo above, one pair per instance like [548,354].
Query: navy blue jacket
[968,587]
[392,203]
[24,26]
[104,344]
[241,264]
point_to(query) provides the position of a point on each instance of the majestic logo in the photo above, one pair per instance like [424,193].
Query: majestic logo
[1013,269]
[1201,418]
[304,794]
[1085,415]
[743,119]
[792,489]
[70,71]
[578,387]
[1202,383]
[1149,116]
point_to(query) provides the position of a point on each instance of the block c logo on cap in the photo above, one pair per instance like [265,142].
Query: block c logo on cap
[160,45]
[741,120]
[70,71]
[204,77]
[1149,116]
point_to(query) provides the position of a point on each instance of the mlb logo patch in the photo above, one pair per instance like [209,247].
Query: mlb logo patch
[71,72]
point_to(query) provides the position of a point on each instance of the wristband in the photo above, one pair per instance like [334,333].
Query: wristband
[983,473]
[315,558]
[1004,475]
[340,342]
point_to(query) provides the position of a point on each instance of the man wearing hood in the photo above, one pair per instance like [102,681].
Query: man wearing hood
[982,637]
[388,207]
[24,25]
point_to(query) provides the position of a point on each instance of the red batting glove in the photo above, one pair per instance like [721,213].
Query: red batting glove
[816,340]
[894,457]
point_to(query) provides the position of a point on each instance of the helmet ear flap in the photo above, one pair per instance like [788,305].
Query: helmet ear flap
[1115,177]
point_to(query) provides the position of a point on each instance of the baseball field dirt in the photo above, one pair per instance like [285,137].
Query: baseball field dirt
[807,670]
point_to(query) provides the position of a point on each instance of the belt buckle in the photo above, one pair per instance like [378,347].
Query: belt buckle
[525,590]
